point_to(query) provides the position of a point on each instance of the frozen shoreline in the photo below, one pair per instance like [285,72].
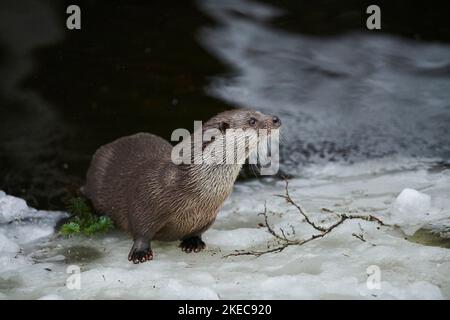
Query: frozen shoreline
[33,261]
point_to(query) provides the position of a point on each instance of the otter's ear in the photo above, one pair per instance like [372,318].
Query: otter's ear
[223,126]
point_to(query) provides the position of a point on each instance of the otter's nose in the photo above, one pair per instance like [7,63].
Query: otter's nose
[276,121]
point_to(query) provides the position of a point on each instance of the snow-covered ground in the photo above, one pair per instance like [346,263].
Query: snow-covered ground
[343,101]
[36,263]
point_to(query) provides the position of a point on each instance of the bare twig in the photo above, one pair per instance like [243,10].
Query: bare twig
[269,228]
[283,242]
[359,236]
[289,200]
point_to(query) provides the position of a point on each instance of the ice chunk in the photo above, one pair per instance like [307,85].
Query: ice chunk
[21,224]
[410,210]
[11,208]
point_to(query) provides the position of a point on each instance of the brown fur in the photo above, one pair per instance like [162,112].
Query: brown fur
[135,182]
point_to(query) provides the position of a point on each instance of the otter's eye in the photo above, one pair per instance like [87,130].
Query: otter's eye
[252,121]
[275,120]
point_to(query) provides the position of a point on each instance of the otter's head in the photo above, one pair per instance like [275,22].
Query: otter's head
[242,119]
[239,133]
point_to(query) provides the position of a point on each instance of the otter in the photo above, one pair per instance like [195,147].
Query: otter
[134,181]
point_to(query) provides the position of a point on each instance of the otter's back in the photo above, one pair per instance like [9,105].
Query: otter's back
[115,165]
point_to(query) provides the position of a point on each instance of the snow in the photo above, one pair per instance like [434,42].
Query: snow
[241,238]
[50,297]
[337,266]
[23,225]
[8,246]
[11,208]
[21,228]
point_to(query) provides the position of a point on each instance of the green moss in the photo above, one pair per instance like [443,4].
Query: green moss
[84,220]
[103,224]
[70,228]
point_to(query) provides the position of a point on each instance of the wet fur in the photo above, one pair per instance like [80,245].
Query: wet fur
[134,181]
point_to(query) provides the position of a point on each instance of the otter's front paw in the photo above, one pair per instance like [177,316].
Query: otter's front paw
[192,244]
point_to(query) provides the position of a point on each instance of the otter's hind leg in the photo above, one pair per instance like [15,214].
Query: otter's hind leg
[194,243]
[141,251]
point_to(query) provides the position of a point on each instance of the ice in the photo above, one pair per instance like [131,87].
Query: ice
[241,238]
[21,229]
[411,210]
[50,297]
[7,246]
[11,208]
[336,266]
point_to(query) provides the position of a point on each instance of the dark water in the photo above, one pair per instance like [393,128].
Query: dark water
[131,68]
[346,97]
[343,93]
